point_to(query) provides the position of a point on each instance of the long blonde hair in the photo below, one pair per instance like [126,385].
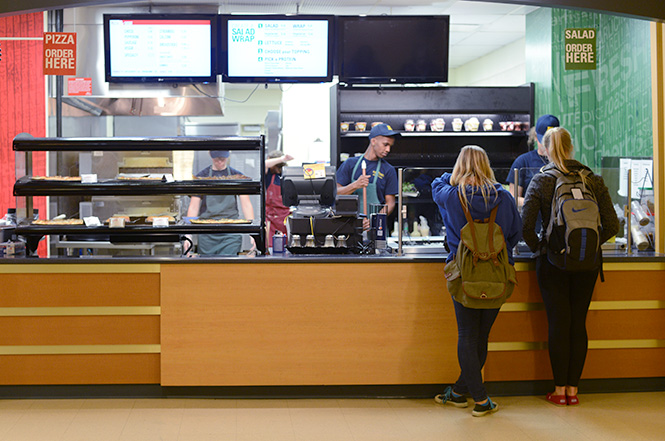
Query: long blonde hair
[559,147]
[473,168]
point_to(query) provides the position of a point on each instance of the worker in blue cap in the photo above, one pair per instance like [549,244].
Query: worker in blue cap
[531,162]
[378,178]
[219,207]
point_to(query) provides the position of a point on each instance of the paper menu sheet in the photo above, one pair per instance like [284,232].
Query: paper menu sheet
[642,176]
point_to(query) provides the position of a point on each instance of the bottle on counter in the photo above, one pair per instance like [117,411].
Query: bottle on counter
[10,217]
[639,213]
[639,239]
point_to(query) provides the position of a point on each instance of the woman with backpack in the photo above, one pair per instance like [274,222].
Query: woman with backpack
[469,194]
[566,282]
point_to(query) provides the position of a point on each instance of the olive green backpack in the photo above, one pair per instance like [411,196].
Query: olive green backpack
[480,276]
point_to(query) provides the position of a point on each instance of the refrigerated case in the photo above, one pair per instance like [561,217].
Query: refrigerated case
[435,123]
[136,178]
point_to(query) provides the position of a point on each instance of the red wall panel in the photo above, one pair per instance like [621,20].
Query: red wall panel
[22,97]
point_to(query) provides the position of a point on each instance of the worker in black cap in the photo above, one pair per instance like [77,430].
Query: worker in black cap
[378,177]
[219,207]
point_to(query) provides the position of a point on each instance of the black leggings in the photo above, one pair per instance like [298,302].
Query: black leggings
[567,296]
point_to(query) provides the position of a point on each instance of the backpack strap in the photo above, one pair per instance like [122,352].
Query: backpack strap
[491,236]
[470,223]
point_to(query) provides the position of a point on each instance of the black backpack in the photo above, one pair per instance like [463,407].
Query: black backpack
[573,234]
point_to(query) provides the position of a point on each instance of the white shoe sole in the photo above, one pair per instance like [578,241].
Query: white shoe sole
[485,412]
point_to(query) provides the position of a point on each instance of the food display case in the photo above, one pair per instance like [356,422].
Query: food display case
[123,193]
[420,223]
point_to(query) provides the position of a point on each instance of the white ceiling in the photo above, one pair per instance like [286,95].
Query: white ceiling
[476,28]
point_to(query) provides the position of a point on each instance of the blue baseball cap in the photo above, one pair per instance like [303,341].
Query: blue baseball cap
[219,153]
[382,130]
[545,123]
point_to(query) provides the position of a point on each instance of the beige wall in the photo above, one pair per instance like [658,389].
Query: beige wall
[504,67]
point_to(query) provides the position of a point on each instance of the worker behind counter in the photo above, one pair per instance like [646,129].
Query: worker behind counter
[276,212]
[220,207]
[531,162]
[378,178]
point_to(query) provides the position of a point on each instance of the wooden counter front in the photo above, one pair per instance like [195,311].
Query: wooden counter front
[389,322]
[306,324]
[274,322]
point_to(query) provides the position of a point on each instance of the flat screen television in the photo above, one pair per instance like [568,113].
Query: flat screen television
[176,48]
[393,49]
[277,48]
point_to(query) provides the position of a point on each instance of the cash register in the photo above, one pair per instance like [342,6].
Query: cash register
[321,221]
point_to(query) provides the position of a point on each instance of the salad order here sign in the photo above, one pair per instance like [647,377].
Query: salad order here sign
[580,48]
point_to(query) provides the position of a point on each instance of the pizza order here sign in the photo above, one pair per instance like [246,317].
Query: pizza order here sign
[59,53]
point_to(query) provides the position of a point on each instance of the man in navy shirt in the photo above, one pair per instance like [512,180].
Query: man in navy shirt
[379,179]
[531,162]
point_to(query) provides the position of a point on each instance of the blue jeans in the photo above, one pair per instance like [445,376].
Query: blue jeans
[473,330]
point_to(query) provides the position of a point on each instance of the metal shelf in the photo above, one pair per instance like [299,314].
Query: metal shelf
[136,230]
[29,144]
[26,186]
[437,134]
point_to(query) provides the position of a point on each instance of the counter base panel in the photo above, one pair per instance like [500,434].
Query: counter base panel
[79,369]
[312,324]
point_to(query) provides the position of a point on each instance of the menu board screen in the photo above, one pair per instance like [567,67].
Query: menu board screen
[145,48]
[277,48]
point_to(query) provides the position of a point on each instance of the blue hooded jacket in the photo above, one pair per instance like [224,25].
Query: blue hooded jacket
[507,216]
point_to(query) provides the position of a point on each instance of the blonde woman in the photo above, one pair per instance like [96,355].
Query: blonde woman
[472,183]
[566,294]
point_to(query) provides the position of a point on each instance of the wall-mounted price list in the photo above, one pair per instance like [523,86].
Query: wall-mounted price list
[160,48]
[277,48]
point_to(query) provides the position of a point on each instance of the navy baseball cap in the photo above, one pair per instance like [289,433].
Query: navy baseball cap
[545,123]
[382,130]
[219,153]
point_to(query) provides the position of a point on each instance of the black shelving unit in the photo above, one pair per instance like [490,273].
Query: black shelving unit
[395,105]
[28,187]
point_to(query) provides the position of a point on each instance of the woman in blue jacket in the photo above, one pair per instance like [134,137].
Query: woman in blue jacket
[472,182]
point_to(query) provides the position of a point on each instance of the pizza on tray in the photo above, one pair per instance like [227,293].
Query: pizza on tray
[56,178]
[222,178]
[139,178]
[58,222]
[221,221]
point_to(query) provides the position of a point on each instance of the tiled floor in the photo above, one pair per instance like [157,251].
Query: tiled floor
[634,417]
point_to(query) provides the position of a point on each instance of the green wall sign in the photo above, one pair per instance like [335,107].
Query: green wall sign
[580,48]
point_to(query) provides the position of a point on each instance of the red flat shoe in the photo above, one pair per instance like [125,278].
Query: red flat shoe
[559,400]
[572,400]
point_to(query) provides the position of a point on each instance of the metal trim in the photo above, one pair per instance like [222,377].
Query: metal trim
[62,311]
[79,349]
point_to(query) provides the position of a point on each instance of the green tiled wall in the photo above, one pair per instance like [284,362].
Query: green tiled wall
[607,110]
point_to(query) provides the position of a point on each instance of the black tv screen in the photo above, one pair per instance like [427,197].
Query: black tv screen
[143,48]
[393,49]
[277,48]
